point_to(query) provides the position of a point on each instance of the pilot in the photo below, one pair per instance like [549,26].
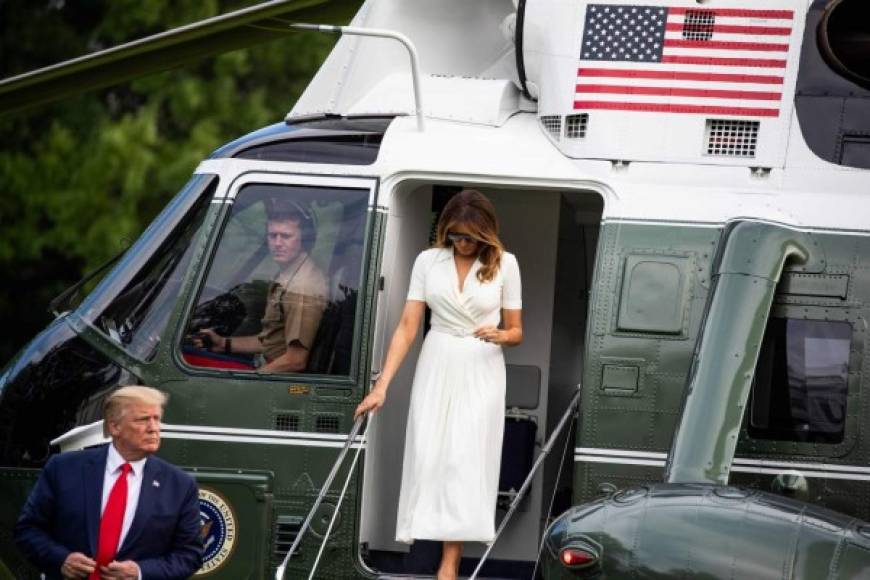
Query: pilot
[296,297]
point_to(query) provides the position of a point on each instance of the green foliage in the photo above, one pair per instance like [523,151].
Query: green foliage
[81,179]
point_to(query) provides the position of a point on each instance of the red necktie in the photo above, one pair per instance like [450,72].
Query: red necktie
[111,522]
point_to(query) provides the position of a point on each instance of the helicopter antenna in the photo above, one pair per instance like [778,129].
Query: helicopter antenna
[381,33]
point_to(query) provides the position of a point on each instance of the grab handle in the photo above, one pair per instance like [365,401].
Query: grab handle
[525,486]
[279,573]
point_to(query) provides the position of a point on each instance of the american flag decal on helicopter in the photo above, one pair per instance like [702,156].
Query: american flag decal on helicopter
[683,60]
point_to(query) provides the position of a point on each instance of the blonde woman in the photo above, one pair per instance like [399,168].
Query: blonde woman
[456,421]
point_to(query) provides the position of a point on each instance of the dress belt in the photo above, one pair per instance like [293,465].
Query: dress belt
[460,332]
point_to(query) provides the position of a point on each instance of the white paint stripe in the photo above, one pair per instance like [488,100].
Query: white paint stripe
[652,222]
[676,100]
[641,222]
[810,474]
[739,21]
[741,465]
[620,453]
[679,84]
[734,37]
[259,440]
[699,68]
[727,53]
[620,461]
[255,432]
[605,452]
[797,465]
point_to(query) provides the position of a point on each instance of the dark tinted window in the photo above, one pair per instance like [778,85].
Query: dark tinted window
[342,149]
[801,381]
[60,381]
[843,39]
[342,141]
[135,314]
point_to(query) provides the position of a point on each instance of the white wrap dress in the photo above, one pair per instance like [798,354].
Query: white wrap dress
[456,421]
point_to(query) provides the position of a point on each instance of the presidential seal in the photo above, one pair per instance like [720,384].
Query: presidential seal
[218,531]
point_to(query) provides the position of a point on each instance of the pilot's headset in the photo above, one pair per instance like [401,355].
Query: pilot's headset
[279,208]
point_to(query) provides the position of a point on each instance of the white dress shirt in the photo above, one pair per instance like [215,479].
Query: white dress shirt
[114,461]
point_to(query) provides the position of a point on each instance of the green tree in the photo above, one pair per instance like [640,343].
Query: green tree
[80,179]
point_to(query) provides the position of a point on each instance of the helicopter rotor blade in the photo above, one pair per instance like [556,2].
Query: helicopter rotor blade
[166,50]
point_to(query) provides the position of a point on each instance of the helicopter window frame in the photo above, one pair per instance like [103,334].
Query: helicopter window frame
[190,204]
[813,326]
[368,187]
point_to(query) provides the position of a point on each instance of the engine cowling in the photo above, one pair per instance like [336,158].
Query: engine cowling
[706,532]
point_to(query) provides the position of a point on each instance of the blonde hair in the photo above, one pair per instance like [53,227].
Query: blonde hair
[472,209]
[117,402]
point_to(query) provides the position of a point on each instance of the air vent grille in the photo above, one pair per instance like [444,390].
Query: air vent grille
[326,424]
[575,126]
[286,422]
[698,24]
[286,530]
[729,138]
[553,125]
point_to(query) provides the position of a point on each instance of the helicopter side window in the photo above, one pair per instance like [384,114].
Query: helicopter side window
[800,387]
[133,304]
[281,293]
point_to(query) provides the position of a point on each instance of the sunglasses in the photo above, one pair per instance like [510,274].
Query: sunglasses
[455,238]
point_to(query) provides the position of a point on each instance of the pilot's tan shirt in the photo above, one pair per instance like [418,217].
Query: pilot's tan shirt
[295,303]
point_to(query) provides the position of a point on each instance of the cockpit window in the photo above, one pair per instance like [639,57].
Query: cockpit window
[133,304]
[800,387]
[282,290]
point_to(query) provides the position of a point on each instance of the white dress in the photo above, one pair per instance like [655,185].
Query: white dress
[456,420]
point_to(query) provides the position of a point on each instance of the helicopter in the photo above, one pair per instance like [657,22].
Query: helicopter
[683,183]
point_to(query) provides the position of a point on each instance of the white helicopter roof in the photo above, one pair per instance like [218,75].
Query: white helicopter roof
[667,81]
[725,143]
[808,193]
[467,60]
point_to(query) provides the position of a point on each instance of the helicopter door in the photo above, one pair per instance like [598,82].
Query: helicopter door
[274,346]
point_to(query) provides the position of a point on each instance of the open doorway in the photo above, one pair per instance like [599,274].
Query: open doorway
[554,235]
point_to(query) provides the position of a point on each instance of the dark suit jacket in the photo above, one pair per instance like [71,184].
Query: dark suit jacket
[62,515]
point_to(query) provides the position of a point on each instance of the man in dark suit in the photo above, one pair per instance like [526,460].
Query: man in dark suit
[115,511]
